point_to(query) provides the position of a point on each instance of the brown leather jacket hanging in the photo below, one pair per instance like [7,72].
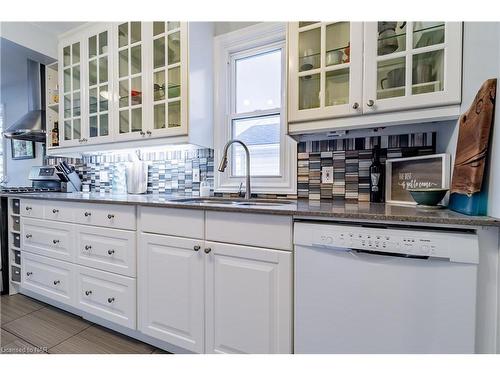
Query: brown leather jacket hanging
[473,139]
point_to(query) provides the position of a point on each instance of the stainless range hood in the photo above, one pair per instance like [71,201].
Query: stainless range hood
[31,127]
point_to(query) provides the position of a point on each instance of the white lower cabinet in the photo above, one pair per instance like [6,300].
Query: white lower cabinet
[55,240]
[170,290]
[107,249]
[107,295]
[215,298]
[248,299]
[48,277]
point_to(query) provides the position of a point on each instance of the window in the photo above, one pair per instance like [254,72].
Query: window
[257,110]
[250,106]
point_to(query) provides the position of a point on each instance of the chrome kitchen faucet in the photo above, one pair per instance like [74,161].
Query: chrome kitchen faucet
[223,164]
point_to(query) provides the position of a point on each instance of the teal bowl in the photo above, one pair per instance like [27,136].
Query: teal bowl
[428,197]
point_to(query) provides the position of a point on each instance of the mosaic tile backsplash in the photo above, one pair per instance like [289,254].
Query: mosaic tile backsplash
[169,172]
[351,159]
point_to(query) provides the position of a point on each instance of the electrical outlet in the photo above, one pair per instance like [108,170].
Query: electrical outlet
[327,175]
[104,176]
[196,175]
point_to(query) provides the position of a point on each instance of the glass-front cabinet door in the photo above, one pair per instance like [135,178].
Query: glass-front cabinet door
[325,69]
[98,112]
[169,78]
[70,113]
[411,65]
[129,79]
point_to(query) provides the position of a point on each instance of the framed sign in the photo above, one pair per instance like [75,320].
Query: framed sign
[22,149]
[419,172]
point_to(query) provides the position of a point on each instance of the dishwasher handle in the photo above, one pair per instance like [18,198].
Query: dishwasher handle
[374,256]
[362,252]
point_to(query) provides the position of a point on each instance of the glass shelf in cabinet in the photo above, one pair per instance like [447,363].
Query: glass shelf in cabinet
[337,56]
[429,36]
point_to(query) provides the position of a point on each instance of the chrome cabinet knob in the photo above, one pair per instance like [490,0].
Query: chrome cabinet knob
[355,105]
[111,216]
[28,208]
[88,247]
[29,273]
[149,132]
[57,282]
[370,103]
[55,241]
[207,250]
[197,247]
[88,292]
[142,133]
[55,211]
[111,252]
[87,214]
[111,299]
[29,235]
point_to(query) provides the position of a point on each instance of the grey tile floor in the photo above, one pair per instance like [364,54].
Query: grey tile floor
[32,327]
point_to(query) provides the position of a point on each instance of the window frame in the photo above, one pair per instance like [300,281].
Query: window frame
[246,42]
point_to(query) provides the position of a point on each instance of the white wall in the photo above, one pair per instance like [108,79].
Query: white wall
[31,36]
[227,27]
[481,61]
[14,95]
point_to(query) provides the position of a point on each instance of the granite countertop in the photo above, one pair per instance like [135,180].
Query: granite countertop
[299,208]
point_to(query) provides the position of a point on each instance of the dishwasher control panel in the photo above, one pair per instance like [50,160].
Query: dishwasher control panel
[417,242]
[379,242]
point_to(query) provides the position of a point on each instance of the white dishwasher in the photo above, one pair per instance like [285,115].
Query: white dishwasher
[386,289]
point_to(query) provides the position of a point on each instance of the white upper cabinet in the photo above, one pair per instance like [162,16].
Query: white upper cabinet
[70,79]
[325,69]
[99,112]
[339,70]
[130,64]
[411,65]
[169,79]
[135,81]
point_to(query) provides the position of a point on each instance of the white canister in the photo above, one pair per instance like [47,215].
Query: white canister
[204,189]
[137,177]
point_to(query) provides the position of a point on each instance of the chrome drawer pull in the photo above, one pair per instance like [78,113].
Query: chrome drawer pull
[28,208]
[87,214]
[207,250]
[197,247]
[111,252]
[55,211]
[55,241]
[29,235]
[56,282]
[88,247]
[29,273]
[88,292]
[111,216]
[111,299]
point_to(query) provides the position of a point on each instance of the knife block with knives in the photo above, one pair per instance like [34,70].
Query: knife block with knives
[70,181]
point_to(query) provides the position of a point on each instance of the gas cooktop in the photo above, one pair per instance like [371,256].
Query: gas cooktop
[26,189]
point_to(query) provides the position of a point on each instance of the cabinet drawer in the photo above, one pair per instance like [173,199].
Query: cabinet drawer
[109,296]
[106,215]
[49,277]
[111,250]
[271,231]
[55,240]
[32,208]
[60,211]
[177,222]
